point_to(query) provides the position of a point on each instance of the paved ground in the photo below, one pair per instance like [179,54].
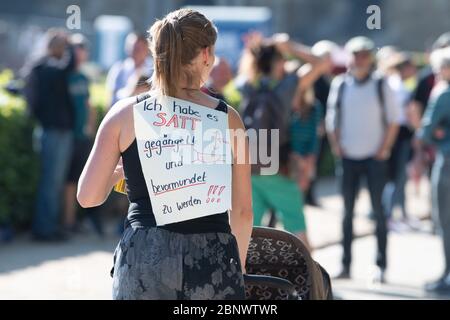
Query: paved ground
[80,268]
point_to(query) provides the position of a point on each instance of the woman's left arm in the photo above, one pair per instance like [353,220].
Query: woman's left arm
[241,217]
[102,171]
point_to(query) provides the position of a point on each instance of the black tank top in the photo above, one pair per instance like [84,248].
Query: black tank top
[140,212]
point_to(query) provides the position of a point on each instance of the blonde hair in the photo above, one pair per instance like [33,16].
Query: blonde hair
[174,42]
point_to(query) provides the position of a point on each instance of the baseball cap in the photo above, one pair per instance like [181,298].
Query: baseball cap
[359,43]
[323,48]
[79,40]
[443,41]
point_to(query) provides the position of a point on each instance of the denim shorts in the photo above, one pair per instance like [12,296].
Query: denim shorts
[154,263]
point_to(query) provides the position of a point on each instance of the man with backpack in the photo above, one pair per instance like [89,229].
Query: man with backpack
[362,123]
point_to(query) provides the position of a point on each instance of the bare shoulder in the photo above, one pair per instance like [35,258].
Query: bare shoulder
[118,122]
[234,118]
[121,109]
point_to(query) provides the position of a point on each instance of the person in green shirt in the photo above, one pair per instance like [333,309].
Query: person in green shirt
[83,129]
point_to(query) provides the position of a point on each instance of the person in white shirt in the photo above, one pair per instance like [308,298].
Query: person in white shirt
[362,124]
[138,63]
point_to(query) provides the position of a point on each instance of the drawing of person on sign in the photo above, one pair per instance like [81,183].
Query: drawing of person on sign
[186,167]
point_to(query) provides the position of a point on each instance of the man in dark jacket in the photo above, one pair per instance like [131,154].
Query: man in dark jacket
[49,103]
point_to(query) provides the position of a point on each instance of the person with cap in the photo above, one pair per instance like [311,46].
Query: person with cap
[362,123]
[435,130]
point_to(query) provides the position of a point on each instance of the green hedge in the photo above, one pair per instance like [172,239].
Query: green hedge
[18,162]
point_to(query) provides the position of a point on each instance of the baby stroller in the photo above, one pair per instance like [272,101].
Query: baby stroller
[279,267]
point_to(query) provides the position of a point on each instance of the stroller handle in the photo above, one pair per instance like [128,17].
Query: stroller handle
[270,281]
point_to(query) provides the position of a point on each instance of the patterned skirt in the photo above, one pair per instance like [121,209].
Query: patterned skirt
[153,263]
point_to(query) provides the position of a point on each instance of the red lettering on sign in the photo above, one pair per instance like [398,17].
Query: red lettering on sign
[173,120]
[163,120]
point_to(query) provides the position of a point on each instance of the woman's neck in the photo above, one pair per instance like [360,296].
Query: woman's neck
[188,92]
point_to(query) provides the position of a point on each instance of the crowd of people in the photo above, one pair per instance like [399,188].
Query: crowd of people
[383,120]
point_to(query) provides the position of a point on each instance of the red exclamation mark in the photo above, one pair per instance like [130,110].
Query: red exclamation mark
[220,192]
[214,192]
[209,192]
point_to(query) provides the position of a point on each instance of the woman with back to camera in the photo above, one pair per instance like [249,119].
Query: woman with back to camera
[202,256]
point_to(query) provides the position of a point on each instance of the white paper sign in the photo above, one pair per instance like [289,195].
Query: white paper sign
[185,154]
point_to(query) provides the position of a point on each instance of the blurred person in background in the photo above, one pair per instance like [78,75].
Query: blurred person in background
[398,69]
[362,123]
[305,127]
[136,84]
[142,85]
[318,82]
[84,133]
[221,75]
[266,87]
[424,155]
[426,83]
[138,62]
[435,130]
[326,50]
[49,101]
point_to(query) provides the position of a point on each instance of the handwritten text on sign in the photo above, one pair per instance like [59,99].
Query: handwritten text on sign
[185,155]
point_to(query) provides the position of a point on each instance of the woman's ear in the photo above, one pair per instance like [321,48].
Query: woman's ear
[206,53]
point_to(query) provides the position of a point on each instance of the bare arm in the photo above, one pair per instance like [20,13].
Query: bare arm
[241,217]
[333,138]
[307,76]
[414,114]
[310,73]
[92,121]
[302,52]
[295,49]
[101,171]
